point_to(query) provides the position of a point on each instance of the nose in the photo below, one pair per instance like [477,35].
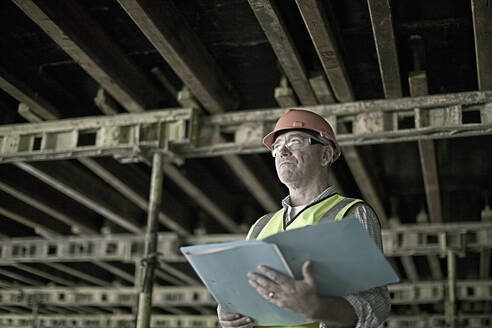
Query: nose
[284,151]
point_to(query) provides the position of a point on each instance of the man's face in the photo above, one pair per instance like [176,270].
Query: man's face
[299,166]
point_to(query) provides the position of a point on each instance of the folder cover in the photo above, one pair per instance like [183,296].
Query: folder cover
[345,260]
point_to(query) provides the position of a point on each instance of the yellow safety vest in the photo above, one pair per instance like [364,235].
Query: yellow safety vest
[312,214]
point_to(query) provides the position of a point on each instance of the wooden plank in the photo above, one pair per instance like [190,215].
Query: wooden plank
[418,87]
[24,94]
[482,28]
[168,31]
[316,21]
[382,27]
[284,95]
[364,181]
[431,179]
[321,88]
[251,182]
[80,186]
[417,81]
[80,222]
[485,255]
[237,165]
[74,30]
[202,199]
[44,274]
[79,274]
[130,192]
[271,22]
[20,277]
[41,228]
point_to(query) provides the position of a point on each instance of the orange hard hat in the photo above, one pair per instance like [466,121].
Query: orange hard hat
[300,119]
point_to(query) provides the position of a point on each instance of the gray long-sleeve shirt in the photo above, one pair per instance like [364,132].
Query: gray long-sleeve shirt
[371,306]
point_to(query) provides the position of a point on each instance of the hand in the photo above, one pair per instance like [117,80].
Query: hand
[233,320]
[295,295]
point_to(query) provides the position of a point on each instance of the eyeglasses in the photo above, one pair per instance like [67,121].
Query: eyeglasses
[293,143]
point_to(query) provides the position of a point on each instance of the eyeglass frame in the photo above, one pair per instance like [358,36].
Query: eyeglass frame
[310,141]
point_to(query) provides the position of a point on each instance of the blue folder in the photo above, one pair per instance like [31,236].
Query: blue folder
[345,260]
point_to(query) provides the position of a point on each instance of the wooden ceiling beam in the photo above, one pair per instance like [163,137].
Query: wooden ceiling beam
[417,81]
[201,198]
[237,165]
[82,187]
[321,88]
[174,39]
[268,15]
[76,217]
[482,28]
[129,192]
[79,274]
[316,21]
[19,277]
[188,57]
[251,181]
[384,37]
[41,227]
[44,274]
[24,94]
[324,42]
[82,38]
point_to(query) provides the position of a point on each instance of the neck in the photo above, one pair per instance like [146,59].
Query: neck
[303,194]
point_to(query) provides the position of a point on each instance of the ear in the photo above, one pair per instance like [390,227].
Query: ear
[326,155]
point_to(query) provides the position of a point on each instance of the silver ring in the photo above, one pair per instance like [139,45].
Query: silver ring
[271,294]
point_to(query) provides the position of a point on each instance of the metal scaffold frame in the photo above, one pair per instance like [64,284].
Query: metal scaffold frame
[418,239]
[176,134]
[182,134]
[210,321]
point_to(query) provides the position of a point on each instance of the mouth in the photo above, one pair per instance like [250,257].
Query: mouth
[281,164]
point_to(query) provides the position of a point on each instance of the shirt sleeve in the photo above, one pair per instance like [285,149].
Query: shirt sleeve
[372,306]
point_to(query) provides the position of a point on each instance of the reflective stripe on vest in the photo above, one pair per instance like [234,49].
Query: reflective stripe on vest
[332,208]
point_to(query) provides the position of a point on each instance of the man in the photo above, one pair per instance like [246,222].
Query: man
[304,146]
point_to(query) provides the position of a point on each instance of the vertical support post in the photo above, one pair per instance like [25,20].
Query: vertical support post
[35,311]
[150,260]
[450,306]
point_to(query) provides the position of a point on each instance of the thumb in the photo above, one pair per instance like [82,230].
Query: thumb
[306,273]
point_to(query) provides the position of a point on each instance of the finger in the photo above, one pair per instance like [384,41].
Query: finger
[237,323]
[228,316]
[265,292]
[274,275]
[261,280]
[307,274]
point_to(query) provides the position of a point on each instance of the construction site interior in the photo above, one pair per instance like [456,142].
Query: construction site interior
[95,94]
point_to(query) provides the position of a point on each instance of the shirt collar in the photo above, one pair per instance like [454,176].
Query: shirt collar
[325,193]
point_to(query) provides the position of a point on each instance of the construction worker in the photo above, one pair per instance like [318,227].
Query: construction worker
[304,147]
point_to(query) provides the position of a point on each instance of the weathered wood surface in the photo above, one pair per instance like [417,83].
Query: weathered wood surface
[271,22]
[73,29]
[184,52]
[319,28]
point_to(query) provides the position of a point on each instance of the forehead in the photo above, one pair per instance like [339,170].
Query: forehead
[290,134]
